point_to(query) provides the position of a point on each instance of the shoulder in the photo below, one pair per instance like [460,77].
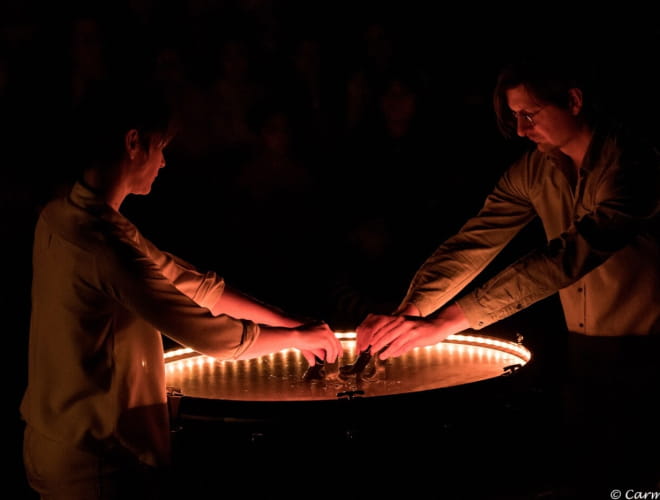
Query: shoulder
[632,162]
[626,144]
[533,164]
[95,229]
[630,167]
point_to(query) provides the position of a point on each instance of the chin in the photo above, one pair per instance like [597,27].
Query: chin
[544,147]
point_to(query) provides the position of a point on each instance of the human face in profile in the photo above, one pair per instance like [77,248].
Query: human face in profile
[146,165]
[545,124]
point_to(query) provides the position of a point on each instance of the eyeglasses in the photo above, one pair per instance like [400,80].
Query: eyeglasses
[528,117]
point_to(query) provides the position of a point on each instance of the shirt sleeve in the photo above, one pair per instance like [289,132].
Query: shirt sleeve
[167,293]
[205,288]
[616,201]
[456,262]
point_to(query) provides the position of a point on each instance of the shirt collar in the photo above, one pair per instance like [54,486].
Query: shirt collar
[88,199]
[601,143]
[91,201]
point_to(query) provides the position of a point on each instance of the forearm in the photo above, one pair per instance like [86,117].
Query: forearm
[462,257]
[271,339]
[451,318]
[240,305]
[408,309]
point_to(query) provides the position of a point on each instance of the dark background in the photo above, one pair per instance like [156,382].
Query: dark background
[285,178]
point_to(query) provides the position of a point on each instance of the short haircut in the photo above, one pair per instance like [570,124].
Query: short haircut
[113,107]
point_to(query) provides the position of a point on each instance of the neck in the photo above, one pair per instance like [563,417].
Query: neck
[105,184]
[576,148]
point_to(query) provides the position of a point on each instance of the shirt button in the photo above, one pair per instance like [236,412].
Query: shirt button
[518,306]
[580,289]
[581,325]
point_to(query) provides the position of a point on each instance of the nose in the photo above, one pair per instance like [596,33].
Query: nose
[522,126]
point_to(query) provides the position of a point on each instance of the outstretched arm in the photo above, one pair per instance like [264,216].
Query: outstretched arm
[312,339]
[279,330]
[240,305]
[399,333]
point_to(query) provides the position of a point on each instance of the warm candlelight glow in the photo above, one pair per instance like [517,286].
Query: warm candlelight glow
[278,376]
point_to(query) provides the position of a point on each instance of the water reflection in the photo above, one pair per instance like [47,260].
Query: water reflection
[279,376]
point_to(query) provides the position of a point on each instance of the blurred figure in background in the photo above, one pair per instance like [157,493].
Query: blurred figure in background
[383,210]
[280,235]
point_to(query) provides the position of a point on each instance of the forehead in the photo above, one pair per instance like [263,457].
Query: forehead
[158,139]
[519,98]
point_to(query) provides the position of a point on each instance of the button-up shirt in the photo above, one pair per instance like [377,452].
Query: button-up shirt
[102,296]
[602,254]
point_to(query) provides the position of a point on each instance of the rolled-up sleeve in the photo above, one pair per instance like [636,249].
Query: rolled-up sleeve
[462,257]
[610,215]
[153,289]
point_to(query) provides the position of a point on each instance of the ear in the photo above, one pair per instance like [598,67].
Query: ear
[575,101]
[132,143]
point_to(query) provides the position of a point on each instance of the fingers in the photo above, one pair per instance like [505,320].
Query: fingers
[328,353]
[331,347]
[365,331]
[372,321]
[310,357]
[414,332]
[387,332]
[396,348]
[371,328]
[335,349]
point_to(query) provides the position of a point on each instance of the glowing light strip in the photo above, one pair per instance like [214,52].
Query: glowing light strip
[175,353]
[519,349]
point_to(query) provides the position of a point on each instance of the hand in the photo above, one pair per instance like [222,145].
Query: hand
[312,339]
[394,335]
[318,340]
[374,323]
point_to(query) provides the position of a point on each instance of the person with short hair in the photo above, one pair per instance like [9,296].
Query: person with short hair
[103,295]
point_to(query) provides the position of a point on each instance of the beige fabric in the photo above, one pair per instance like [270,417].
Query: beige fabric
[102,294]
[58,471]
[602,253]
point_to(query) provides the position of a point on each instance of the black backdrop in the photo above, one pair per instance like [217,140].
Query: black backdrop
[198,209]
